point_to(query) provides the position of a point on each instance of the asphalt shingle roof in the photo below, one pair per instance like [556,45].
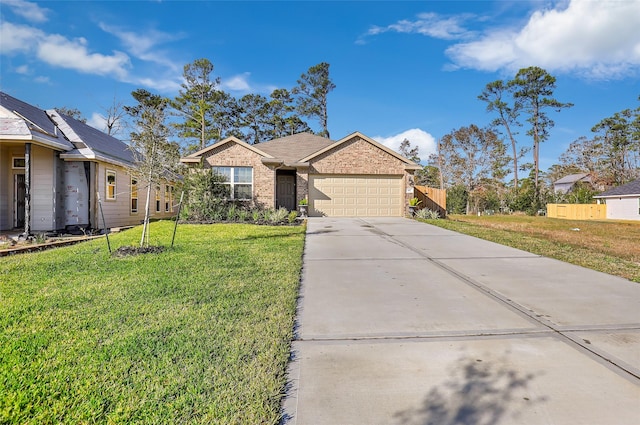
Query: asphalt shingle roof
[99,141]
[631,188]
[293,148]
[37,120]
[571,178]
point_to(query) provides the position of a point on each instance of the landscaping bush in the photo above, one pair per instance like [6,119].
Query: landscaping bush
[427,214]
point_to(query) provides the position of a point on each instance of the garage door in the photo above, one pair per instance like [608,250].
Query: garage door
[355,196]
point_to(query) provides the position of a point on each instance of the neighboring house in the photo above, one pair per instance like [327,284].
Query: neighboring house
[52,167]
[567,183]
[354,176]
[623,202]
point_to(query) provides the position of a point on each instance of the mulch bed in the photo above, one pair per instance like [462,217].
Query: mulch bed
[125,251]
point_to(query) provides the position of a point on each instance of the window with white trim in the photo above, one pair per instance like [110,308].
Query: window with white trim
[18,163]
[110,187]
[158,209]
[239,180]
[134,195]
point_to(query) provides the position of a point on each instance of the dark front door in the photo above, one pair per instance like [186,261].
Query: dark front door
[19,200]
[286,191]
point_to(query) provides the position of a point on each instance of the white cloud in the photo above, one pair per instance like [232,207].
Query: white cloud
[594,39]
[237,83]
[23,69]
[42,80]
[163,84]
[18,38]
[425,142]
[59,51]
[428,24]
[74,54]
[28,10]
[142,45]
[97,121]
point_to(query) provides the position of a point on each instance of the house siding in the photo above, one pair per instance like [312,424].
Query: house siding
[234,155]
[623,208]
[42,189]
[117,213]
[6,184]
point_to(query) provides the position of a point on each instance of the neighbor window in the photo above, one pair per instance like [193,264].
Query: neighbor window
[168,197]
[18,163]
[239,179]
[111,185]
[134,195]
[158,199]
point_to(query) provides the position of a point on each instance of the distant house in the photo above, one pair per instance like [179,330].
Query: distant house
[52,167]
[567,183]
[354,176]
[623,202]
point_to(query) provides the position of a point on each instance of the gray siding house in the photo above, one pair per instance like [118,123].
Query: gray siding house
[623,202]
[53,168]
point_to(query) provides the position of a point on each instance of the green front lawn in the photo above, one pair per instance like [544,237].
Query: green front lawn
[197,334]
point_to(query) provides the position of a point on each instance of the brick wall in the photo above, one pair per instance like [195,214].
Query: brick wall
[234,155]
[356,157]
[302,184]
[361,157]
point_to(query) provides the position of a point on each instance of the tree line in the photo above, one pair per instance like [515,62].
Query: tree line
[472,163]
[206,113]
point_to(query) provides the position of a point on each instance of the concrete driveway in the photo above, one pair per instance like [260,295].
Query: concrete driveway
[400,322]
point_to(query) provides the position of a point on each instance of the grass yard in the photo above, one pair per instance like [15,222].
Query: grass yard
[609,246]
[198,334]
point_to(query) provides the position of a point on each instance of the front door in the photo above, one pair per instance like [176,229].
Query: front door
[18,200]
[286,191]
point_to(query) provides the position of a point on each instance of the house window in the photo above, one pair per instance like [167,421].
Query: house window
[111,185]
[168,197]
[134,195]
[18,163]
[239,179]
[158,199]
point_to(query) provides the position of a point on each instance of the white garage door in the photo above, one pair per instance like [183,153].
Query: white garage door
[355,196]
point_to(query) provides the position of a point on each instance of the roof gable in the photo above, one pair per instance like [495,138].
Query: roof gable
[409,164]
[194,157]
[28,120]
[631,188]
[83,135]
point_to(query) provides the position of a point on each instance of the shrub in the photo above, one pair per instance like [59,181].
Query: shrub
[427,214]
[242,215]
[205,197]
[292,216]
[279,215]
[232,212]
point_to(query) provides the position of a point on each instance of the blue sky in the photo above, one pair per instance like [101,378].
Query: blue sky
[408,69]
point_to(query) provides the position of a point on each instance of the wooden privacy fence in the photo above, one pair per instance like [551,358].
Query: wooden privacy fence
[577,211]
[432,198]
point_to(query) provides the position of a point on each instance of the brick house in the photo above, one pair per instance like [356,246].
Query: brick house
[354,176]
